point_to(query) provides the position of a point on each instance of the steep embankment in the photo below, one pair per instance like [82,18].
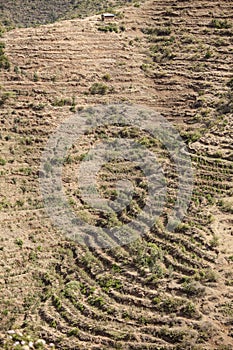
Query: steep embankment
[166,290]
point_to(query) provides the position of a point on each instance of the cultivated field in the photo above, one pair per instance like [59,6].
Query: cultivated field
[166,290]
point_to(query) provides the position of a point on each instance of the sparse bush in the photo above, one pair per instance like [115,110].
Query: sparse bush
[19,242]
[95,300]
[162,31]
[144,67]
[62,102]
[108,283]
[230,83]
[191,136]
[226,206]
[106,77]
[73,105]
[73,332]
[4,62]
[98,89]
[167,305]
[208,54]
[214,241]
[193,288]
[219,24]
[57,302]
[38,107]
[208,275]
[2,161]
[189,310]
[182,227]
[2,31]
[17,69]
[35,77]
[187,39]
[227,309]
[109,28]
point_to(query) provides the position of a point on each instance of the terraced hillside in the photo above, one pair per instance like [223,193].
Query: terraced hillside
[166,290]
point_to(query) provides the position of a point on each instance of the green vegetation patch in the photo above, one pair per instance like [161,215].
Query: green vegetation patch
[112,27]
[220,24]
[4,62]
[160,31]
[98,89]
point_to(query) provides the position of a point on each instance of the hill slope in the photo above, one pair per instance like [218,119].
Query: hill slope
[166,290]
[29,13]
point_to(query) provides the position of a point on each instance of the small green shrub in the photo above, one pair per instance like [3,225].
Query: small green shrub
[57,302]
[110,283]
[189,310]
[35,77]
[226,206]
[19,242]
[98,89]
[208,54]
[191,136]
[4,62]
[106,77]
[95,300]
[2,161]
[164,31]
[2,31]
[193,288]
[208,275]
[73,332]
[182,227]
[230,83]
[61,102]
[219,24]
[109,28]
[214,241]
